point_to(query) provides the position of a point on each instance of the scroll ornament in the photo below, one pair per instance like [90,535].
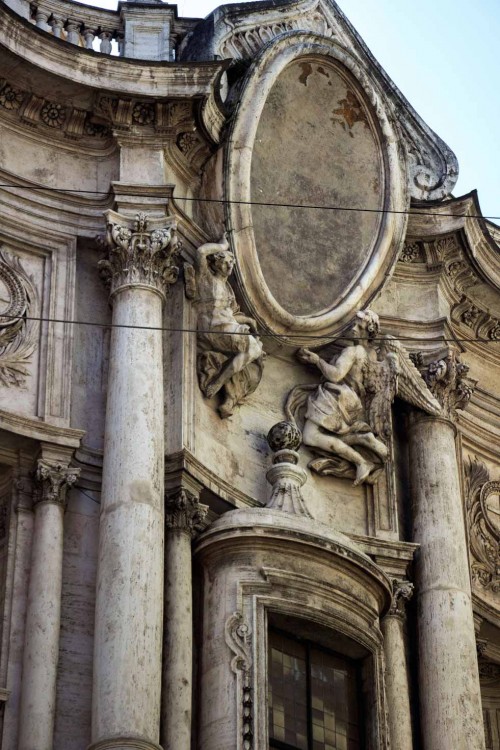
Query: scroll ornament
[18,326]
[346,419]
[483,520]
[238,637]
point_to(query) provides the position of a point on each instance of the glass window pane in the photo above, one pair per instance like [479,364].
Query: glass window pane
[287,691]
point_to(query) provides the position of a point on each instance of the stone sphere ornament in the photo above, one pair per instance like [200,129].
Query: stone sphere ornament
[284,436]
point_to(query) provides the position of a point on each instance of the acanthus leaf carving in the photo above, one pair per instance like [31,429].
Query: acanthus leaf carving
[141,252]
[402,592]
[484,527]
[230,356]
[52,480]
[347,420]
[184,512]
[447,379]
[18,324]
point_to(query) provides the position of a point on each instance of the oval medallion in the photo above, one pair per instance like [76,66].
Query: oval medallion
[314,182]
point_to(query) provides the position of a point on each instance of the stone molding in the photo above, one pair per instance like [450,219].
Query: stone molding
[117,743]
[184,512]
[34,110]
[52,480]
[238,636]
[484,533]
[385,241]
[243,34]
[402,592]
[18,329]
[141,252]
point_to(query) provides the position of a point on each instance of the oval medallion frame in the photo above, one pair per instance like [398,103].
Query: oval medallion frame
[386,241]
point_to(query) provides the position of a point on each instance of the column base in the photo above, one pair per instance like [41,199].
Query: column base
[125,743]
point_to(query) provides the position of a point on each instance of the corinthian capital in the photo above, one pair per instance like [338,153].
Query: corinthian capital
[141,252]
[447,379]
[52,480]
[184,512]
[402,592]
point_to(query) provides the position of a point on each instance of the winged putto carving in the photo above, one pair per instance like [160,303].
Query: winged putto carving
[346,419]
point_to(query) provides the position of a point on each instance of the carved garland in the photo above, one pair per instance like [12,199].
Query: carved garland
[238,637]
[484,534]
[18,329]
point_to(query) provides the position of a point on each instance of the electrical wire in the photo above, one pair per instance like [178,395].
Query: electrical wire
[415,212]
[261,334]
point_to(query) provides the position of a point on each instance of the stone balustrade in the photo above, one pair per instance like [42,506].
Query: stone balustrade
[110,32]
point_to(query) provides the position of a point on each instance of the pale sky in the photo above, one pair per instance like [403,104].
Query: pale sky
[443,55]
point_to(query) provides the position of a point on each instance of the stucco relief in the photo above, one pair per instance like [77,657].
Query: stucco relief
[230,355]
[18,327]
[483,518]
[346,419]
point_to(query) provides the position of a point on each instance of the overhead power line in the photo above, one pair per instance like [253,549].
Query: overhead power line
[307,206]
[261,334]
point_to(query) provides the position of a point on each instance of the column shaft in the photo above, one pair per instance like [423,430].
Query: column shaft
[396,683]
[178,654]
[129,604]
[41,651]
[448,676]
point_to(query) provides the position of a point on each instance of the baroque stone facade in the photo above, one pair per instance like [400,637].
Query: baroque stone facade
[256,469]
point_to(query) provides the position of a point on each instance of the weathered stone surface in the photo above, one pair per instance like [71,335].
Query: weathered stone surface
[315,145]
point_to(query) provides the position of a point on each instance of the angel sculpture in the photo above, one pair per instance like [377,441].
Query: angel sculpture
[230,355]
[347,419]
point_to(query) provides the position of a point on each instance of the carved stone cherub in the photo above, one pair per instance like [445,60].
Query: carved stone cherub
[230,354]
[347,418]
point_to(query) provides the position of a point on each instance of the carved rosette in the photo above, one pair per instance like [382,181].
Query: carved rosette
[238,637]
[52,480]
[141,252]
[447,380]
[402,592]
[184,512]
[484,526]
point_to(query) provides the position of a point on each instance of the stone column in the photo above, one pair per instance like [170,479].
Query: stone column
[396,671]
[129,596]
[43,615]
[184,515]
[450,697]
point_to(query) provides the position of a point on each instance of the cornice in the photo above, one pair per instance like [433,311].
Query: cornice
[38,430]
[108,73]
[459,215]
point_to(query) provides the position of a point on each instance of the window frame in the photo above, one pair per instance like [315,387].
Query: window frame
[309,645]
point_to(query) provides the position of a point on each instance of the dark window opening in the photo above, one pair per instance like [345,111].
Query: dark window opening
[313,697]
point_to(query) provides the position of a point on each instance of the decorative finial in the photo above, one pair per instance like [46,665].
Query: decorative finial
[285,476]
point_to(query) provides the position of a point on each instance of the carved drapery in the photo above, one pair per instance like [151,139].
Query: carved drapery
[346,420]
[52,480]
[484,526]
[141,252]
[184,512]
